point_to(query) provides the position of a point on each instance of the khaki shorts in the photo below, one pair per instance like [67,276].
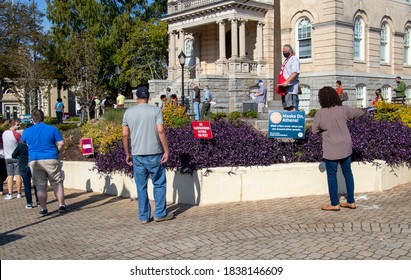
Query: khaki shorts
[46,170]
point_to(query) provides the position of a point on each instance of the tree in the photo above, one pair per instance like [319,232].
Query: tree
[83,66]
[20,56]
[122,32]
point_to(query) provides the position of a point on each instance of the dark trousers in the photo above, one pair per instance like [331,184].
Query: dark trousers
[59,117]
[205,110]
[26,176]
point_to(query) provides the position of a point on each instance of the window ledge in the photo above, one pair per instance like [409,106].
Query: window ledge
[360,61]
[385,64]
[306,60]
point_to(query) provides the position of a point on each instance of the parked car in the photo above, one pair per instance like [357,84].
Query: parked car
[26,119]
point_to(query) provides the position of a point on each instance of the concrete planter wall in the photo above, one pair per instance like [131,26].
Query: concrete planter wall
[240,184]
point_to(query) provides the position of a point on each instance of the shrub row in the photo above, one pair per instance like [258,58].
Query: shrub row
[239,144]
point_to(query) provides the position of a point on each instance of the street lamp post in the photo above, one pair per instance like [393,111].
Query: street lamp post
[182,60]
[118,72]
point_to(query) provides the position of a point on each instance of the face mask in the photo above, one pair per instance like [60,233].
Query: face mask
[286,54]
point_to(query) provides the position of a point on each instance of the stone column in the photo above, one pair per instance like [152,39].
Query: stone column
[172,55]
[242,38]
[234,36]
[260,41]
[221,39]
[182,40]
[172,48]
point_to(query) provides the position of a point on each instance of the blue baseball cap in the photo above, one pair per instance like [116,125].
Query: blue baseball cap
[259,81]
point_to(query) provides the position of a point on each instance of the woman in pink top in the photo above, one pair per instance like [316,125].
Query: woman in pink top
[331,122]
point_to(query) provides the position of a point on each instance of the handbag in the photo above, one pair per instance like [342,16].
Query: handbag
[344,96]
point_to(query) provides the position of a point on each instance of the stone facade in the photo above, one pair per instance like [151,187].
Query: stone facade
[229,46]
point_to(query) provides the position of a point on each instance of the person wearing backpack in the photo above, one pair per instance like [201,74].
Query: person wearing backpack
[205,103]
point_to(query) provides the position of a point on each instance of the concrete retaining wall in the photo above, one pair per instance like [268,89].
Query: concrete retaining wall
[240,184]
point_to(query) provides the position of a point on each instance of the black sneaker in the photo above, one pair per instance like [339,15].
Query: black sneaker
[44,212]
[62,209]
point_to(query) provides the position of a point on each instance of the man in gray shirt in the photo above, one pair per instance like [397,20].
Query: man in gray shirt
[143,125]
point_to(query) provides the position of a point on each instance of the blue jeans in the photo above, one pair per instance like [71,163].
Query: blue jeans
[26,176]
[143,166]
[331,166]
[196,106]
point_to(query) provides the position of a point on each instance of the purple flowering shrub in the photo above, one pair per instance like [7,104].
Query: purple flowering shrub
[113,161]
[239,144]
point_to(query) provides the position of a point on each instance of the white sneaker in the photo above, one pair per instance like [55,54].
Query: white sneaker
[29,206]
[18,195]
[8,196]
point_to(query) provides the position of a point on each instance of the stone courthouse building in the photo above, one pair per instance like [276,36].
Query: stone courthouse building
[231,44]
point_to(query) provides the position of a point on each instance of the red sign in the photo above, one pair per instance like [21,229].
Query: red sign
[86,145]
[202,130]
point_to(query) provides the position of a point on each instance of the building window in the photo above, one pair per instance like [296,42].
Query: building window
[360,93]
[304,38]
[304,97]
[407,49]
[386,93]
[359,39]
[385,43]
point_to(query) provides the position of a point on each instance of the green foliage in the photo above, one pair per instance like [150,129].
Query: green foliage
[393,112]
[114,115]
[250,114]
[234,116]
[218,115]
[50,120]
[66,126]
[104,134]
[175,115]
[312,113]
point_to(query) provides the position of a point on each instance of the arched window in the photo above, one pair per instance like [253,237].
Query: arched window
[359,42]
[360,93]
[407,43]
[385,43]
[304,38]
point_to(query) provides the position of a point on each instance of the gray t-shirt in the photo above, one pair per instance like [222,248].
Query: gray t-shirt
[142,121]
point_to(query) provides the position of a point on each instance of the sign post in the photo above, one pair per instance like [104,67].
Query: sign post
[202,130]
[286,124]
[86,145]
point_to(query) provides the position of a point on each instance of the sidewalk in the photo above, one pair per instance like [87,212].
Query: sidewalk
[101,227]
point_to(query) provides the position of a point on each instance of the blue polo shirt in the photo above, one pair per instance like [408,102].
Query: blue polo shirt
[41,139]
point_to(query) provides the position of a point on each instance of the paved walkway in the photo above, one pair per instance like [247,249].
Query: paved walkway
[101,227]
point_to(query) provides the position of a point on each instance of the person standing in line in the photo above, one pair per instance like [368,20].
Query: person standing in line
[22,154]
[97,108]
[400,88]
[290,73]
[103,105]
[44,143]
[143,126]
[196,101]
[168,94]
[163,102]
[205,104]
[339,88]
[261,95]
[331,122]
[11,138]
[120,100]
[59,107]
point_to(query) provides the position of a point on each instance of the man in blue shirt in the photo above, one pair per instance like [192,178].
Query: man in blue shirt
[45,142]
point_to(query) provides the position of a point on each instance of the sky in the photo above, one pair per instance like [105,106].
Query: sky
[42,6]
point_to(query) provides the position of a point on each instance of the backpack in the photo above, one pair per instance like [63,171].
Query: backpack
[344,96]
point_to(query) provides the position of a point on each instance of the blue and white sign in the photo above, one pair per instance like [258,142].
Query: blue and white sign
[286,124]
